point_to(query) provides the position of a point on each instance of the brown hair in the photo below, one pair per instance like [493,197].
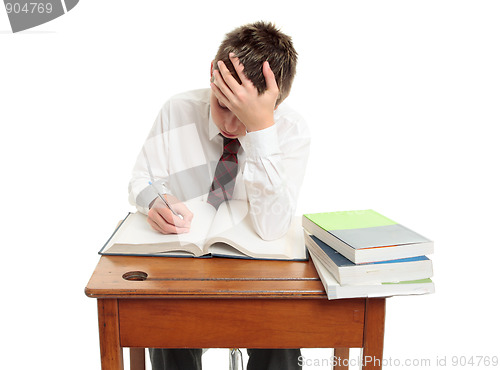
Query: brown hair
[255,43]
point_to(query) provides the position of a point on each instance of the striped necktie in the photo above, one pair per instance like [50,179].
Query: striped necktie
[225,174]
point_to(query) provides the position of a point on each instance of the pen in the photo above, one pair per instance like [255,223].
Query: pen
[164,200]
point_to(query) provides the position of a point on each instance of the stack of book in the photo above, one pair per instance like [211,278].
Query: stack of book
[365,254]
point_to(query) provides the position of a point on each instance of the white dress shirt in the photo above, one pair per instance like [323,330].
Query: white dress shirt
[183,148]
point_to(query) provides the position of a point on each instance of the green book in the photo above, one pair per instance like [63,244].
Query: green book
[366,236]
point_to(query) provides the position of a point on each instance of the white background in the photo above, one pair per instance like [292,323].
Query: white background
[402,98]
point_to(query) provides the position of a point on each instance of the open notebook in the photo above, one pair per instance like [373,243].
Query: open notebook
[226,232]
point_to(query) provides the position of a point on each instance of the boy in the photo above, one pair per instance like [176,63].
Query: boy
[264,147]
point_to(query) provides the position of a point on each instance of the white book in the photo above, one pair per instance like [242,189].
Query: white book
[226,232]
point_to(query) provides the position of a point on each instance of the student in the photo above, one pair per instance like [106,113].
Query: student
[266,150]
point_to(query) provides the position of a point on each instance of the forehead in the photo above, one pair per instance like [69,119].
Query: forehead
[214,100]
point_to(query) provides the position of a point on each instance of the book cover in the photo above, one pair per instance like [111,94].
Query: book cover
[348,272]
[335,290]
[366,235]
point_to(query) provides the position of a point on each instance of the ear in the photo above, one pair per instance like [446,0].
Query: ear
[211,70]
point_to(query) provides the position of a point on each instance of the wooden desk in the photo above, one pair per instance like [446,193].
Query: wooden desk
[226,303]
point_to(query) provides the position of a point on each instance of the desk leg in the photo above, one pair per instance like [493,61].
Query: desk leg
[109,335]
[341,356]
[373,342]
[137,359]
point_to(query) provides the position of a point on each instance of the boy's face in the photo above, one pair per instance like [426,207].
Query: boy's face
[226,121]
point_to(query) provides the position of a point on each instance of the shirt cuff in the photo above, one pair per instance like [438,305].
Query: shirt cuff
[261,143]
[150,193]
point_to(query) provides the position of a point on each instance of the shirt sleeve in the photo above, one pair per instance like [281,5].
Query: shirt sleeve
[151,171]
[276,160]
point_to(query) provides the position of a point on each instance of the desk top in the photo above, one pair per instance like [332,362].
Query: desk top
[170,277]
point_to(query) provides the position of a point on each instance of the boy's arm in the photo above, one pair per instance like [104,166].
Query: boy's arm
[275,165]
[148,181]
[273,175]
[254,110]
[151,168]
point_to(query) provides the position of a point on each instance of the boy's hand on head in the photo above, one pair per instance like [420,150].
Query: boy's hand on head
[255,111]
[161,218]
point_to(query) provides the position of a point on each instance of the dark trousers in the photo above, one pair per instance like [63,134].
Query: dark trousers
[259,359]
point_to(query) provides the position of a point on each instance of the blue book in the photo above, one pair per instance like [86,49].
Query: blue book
[335,290]
[348,272]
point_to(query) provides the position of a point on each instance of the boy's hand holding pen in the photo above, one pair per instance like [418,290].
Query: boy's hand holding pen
[168,215]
